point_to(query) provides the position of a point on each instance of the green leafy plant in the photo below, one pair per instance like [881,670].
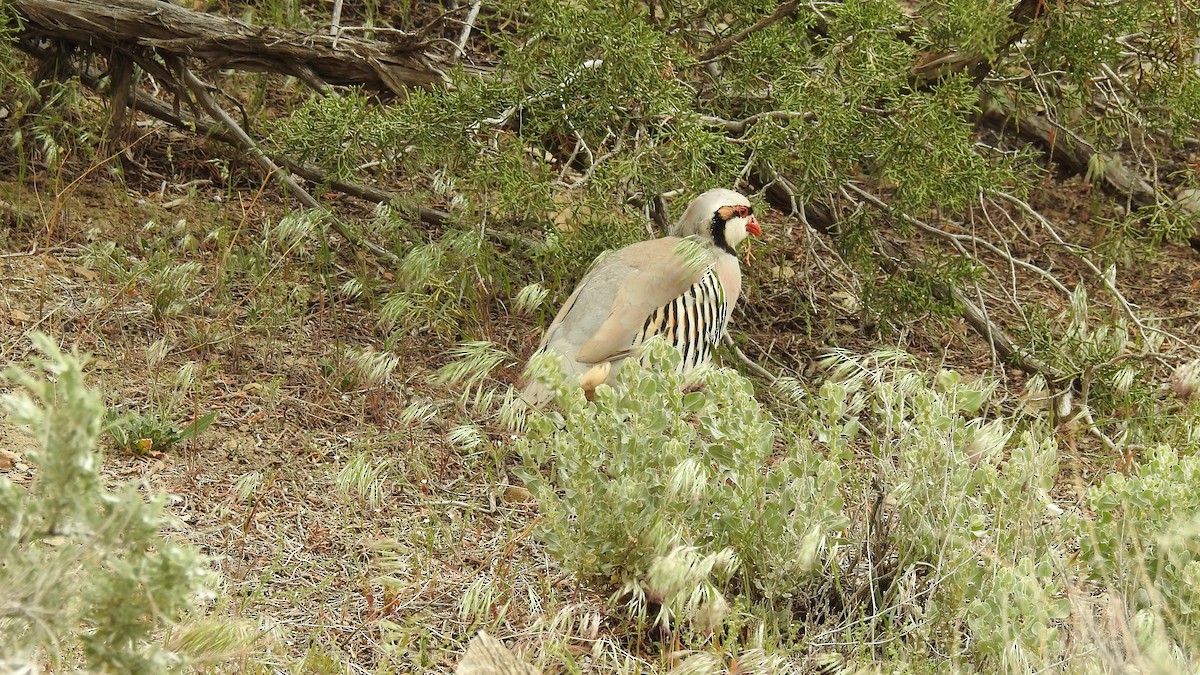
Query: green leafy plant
[678,498]
[86,576]
[160,425]
[147,433]
[1145,540]
[971,501]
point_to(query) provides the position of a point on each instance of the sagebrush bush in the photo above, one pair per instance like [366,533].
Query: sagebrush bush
[973,516]
[678,497]
[86,575]
[1144,541]
[702,501]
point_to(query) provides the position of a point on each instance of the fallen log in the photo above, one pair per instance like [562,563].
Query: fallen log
[1080,157]
[138,28]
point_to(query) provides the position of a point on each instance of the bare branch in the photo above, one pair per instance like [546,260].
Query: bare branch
[976,317]
[468,26]
[739,126]
[1122,302]
[200,90]
[749,362]
[218,132]
[335,21]
[957,239]
[784,10]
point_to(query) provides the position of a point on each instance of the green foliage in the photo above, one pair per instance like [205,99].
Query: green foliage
[161,424]
[1100,352]
[325,122]
[1144,540]
[435,285]
[970,26]
[15,85]
[167,282]
[670,495]
[1140,234]
[146,433]
[1078,40]
[601,102]
[1151,43]
[971,500]
[83,571]
[930,157]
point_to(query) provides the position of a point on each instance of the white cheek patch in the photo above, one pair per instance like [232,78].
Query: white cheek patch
[735,231]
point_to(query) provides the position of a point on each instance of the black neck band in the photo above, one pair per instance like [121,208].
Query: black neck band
[718,234]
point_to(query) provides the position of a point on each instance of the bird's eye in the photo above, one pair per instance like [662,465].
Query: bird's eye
[742,211]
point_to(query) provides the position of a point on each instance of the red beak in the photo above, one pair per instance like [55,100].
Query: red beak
[752,227]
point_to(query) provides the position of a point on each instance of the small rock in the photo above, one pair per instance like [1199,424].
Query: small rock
[515,494]
[783,272]
[845,300]
[1188,200]
[8,458]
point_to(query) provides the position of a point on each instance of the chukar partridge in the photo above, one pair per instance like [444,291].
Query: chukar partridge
[653,288]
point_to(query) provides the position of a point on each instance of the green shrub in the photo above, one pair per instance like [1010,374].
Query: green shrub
[972,510]
[678,497]
[84,571]
[1144,541]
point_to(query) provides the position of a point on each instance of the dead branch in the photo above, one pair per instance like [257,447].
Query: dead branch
[121,87]
[896,259]
[781,194]
[1081,157]
[1077,154]
[956,240]
[200,90]
[468,26]
[149,26]
[739,126]
[749,362]
[155,108]
[782,12]
[160,110]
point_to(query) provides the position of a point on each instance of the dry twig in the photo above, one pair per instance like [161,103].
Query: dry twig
[785,10]
[468,26]
[1109,283]
[749,362]
[957,239]
[200,90]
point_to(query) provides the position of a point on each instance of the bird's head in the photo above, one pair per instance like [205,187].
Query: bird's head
[724,216]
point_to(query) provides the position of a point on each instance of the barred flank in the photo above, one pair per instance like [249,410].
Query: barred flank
[692,322]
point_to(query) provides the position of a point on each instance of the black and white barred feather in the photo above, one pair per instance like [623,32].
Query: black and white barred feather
[692,322]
